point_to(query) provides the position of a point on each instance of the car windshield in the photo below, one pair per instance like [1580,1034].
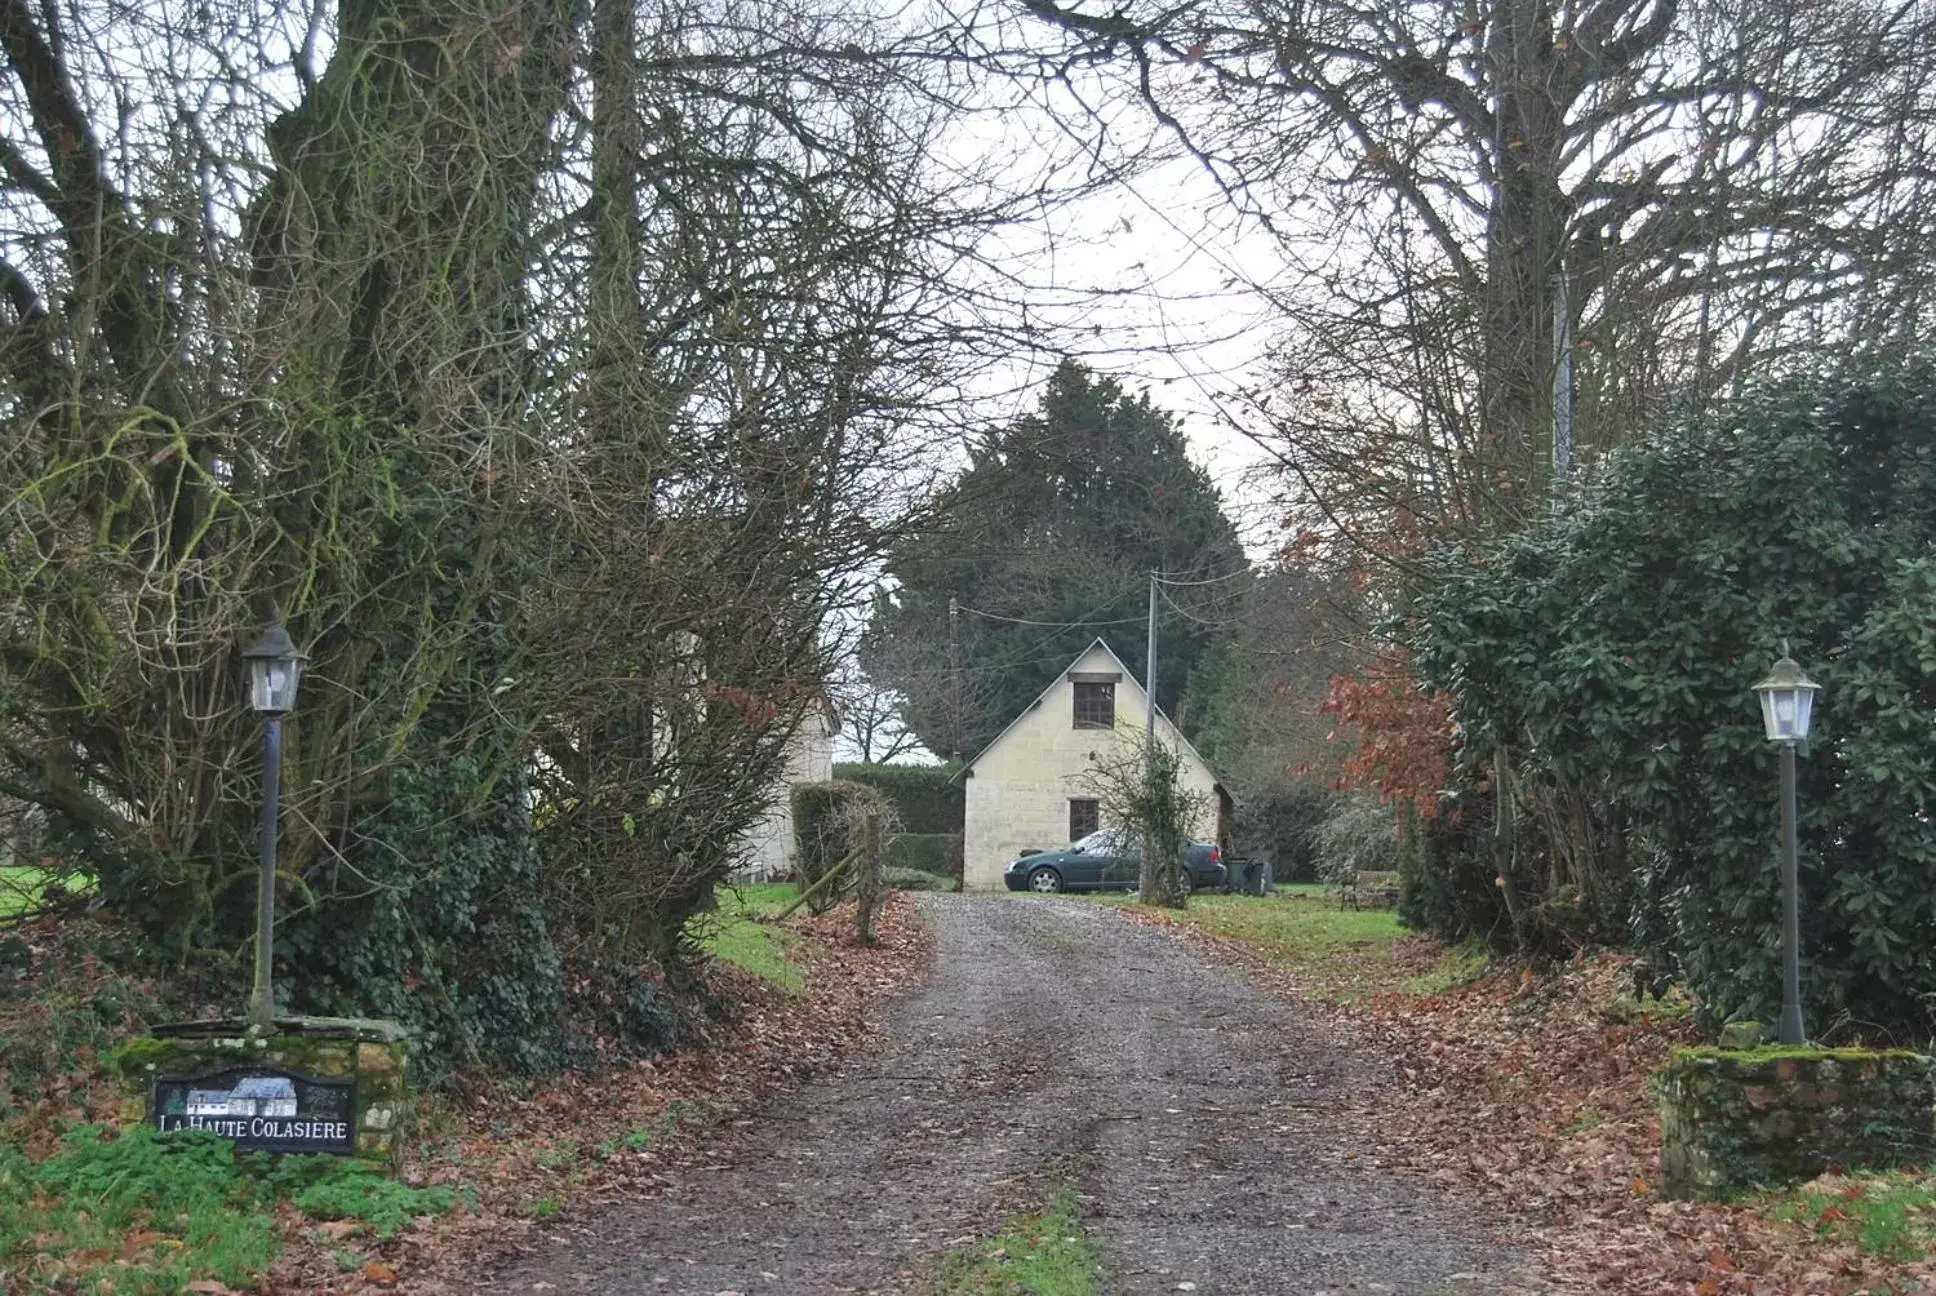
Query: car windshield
[1115,841]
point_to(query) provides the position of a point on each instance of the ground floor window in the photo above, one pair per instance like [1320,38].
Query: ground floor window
[1085,816]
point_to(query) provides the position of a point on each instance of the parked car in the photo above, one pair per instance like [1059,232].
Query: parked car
[1109,860]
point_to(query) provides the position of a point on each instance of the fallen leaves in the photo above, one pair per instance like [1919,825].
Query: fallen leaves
[528,1155]
[1523,1089]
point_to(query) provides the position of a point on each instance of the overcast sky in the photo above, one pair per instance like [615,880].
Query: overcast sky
[1149,279]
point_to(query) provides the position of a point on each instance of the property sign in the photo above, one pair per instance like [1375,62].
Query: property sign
[263,1109]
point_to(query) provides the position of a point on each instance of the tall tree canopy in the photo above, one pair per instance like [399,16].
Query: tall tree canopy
[1047,540]
[552,369]
[1511,226]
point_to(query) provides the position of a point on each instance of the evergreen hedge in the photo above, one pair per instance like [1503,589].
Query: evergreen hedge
[922,795]
[822,813]
[1608,655]
[936,853]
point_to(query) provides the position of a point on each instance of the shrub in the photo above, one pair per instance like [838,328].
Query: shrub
[1359,835]
[446,931]
[1281,825]
[936,853]
[349,1189]
[825,816]
[1446,874]
[1141,787]
[907,879]
[1601,666]
[150,1212]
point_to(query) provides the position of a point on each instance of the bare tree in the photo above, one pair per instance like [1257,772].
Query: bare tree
[555,370]
[872,717]
[1141,789]
[1513,230]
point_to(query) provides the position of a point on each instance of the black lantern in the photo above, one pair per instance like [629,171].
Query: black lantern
[1787,701]
[275,667]
[1787,705]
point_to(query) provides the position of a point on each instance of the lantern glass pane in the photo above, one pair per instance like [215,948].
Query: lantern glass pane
[1781,710]
[272,684]
[1804,707]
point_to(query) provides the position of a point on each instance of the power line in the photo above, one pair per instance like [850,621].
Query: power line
[985,670]
[1191,616]
[1192,584]
[1050,625]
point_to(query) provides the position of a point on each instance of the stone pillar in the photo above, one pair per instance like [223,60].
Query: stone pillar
[371,1056]
[1733,1118]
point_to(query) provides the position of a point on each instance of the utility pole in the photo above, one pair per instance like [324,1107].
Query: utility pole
[1149,675]
[1155,878]
[954,671]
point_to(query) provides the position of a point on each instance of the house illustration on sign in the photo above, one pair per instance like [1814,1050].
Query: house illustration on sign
[252,1096]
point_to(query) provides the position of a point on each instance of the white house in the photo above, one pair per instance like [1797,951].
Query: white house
[1030,790]
[252,1096]
[766,853]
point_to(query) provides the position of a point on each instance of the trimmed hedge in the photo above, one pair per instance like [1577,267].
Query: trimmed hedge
[921,795]
[820,834]
[936,853]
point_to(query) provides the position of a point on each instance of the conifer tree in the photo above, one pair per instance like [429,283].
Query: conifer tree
[1054,527]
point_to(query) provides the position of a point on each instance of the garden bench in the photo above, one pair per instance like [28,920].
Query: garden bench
[1369,890]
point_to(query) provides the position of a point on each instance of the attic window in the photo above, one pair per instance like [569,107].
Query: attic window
[1095,706]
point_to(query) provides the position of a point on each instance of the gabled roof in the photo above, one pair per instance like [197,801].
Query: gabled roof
[1097,642]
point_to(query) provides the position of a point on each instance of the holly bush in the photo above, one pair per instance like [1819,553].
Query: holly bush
[1610,652]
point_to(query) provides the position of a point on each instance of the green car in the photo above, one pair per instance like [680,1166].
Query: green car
[1109,860]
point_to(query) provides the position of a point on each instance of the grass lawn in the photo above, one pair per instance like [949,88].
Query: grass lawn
[767,951]
[1338,954]
[19,889]
[1033,1255]
[1887,1213]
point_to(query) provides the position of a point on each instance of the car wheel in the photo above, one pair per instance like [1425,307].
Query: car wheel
[1045,880]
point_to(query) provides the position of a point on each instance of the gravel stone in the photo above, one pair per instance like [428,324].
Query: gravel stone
[1216,1135]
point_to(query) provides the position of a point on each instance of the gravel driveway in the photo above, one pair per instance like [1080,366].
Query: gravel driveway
[1209,1128]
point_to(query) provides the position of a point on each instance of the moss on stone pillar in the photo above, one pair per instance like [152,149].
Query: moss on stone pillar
[373,1055]
[1731,1118]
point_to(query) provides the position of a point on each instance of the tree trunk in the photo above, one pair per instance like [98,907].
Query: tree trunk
[1525,232]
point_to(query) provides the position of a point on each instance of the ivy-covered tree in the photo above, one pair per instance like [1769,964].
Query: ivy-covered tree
[1600,670]
[1047,540]
[548,369]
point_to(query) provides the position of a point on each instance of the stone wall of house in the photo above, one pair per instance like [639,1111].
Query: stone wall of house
[766,852]
[1018,791]
[1732,1118]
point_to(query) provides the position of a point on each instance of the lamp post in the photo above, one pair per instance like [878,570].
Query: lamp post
[275,666]
[1787,702]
